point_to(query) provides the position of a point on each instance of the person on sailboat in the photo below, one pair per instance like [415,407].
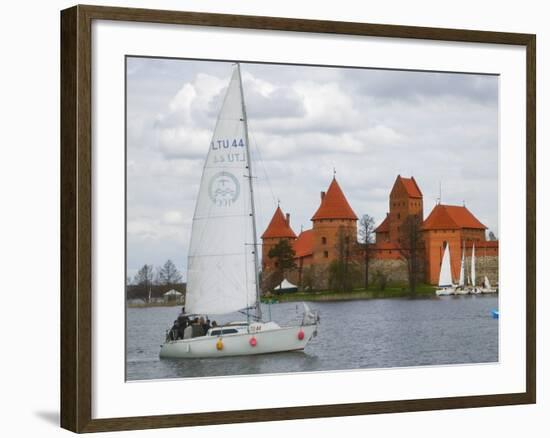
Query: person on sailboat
[206,326]
[174,332]
[183,322]
[203,326]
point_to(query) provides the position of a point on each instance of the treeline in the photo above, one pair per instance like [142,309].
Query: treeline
[152,282]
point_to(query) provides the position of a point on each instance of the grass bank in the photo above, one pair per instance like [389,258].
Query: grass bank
[373,292]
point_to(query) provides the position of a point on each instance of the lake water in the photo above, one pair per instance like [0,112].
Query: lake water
[352,334]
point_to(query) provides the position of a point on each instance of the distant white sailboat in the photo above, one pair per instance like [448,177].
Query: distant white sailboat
[445,276]
[223,265]
[460,289]
[461,278]
[474,289]
[487,288]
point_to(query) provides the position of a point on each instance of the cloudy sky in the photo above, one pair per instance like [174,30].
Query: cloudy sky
[369,125]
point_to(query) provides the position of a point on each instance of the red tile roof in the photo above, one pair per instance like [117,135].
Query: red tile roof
[384,227]
[278,227]
[334,205]
[411,187]
[303,246]
[451,217]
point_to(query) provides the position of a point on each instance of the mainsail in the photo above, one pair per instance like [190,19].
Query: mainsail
[445,277]
[221,272]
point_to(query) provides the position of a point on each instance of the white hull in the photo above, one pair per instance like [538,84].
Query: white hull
[445,291]
[461,292]
[270,338]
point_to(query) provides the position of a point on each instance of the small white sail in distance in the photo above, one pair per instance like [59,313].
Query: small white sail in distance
[473,270]
[461,278]
[445,276]
[221,275]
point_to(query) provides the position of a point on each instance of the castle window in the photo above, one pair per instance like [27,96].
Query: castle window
[398,215]
[324,240]
[325,254]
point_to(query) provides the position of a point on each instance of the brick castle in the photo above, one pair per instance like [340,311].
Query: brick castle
[334,219]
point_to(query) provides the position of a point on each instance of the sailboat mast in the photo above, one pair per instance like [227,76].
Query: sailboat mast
[252,209]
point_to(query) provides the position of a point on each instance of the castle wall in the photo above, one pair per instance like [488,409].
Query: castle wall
[485,266]
[395,270]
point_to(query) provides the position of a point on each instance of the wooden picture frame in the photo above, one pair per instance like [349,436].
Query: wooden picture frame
[76,217]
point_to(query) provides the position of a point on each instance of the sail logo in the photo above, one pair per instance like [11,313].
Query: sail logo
[223,189]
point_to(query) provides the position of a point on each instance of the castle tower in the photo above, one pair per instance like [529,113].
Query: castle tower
[405,200]
[451,225]
[277,230]
[334,214]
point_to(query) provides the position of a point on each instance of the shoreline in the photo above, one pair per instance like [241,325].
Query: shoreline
[423,291]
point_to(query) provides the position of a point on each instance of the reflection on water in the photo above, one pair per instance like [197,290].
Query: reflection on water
[352,334]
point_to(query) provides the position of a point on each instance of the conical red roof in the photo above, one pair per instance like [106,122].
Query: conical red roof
[278,227]
[334,205]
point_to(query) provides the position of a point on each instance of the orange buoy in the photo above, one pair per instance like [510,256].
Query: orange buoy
[253,341]
[301,334]
[219,344]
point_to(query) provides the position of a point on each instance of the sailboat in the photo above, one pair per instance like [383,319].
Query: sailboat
[223,263]
[474,289]
[445,277]
[461,289]
[487,288]
[461,278]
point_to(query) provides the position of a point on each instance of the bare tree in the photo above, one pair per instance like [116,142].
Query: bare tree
[410,249]
[365,235]
[169,274]
[342,271]
[144,279]
[492,236]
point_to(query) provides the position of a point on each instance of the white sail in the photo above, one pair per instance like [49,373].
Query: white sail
[221,275]
[486,283]
[473,271]
[461,279]
[445,276]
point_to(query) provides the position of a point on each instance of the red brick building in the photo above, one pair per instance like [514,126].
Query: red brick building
[451,225]
[457,227]
[316,247]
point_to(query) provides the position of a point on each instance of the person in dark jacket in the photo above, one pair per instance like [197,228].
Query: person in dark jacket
[205,325]
[173,334]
